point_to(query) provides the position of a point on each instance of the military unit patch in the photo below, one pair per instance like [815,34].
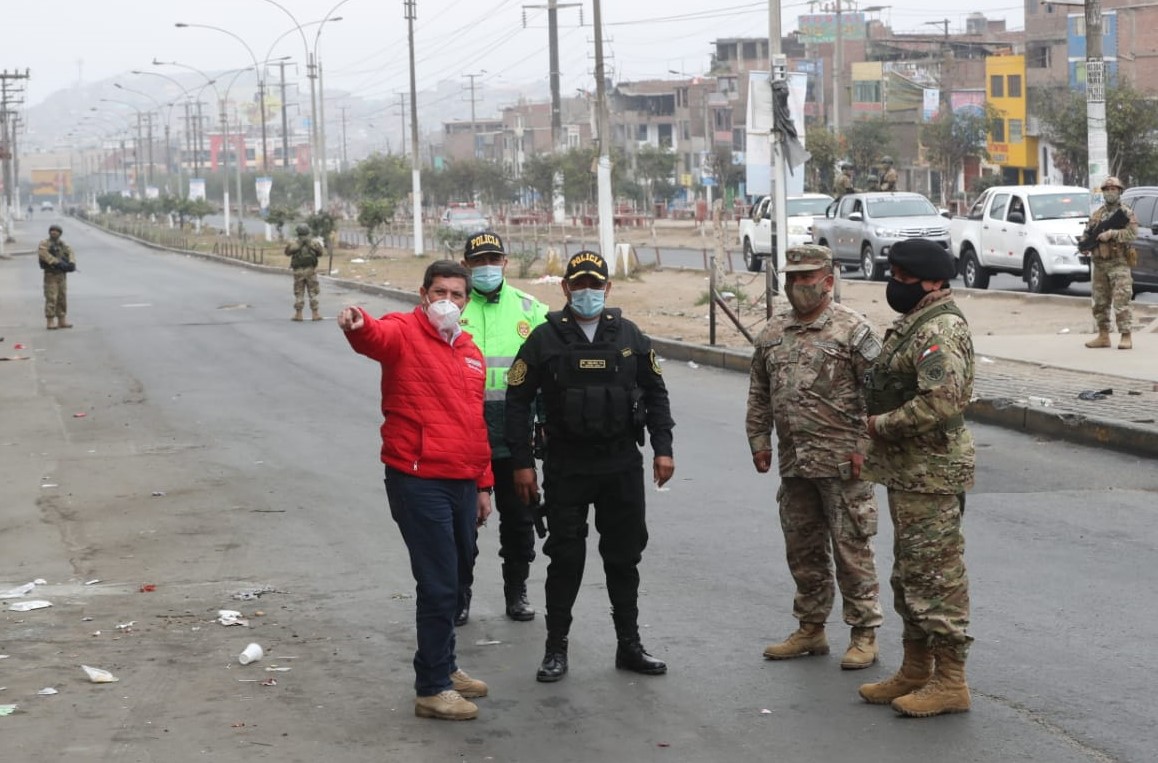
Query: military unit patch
[517,374]
[935,372]
[524,329]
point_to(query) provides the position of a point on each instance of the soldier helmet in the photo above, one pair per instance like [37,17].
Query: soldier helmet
[303,230]
[1113,182]
[55,227]
[886,160]
[845,166]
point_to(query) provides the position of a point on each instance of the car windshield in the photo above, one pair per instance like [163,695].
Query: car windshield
[1057,206]
[900,206]
[808,207]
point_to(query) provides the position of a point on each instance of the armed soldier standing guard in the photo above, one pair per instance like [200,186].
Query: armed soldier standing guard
[601,387]
[843,183]
[304,254]
[805,383]
[889,176]
[916,395]
[1111,280]
[57,261]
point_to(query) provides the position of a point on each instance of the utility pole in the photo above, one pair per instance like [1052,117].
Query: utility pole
[199,140]
[778,71]
[345,146]
[325,166]
[149,134]
[7,148]
[225,165]
[603,171]
[402,116]
[837,64]
[473,121]
[1098,167]
[138,156]
[416,164]
[261,105]
[284,123]
[188,132]
[311,72]
[552,7]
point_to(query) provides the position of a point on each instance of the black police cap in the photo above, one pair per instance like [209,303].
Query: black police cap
[923,259]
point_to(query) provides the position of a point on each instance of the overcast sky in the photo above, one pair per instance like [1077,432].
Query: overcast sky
[63,41]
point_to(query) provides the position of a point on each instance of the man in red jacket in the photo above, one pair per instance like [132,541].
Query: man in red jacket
[437,457]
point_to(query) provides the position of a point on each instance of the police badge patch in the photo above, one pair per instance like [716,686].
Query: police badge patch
[654,363]
[518,373]
[523,329]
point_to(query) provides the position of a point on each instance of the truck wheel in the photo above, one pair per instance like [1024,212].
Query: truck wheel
[1036,278]
[752,261]
[974,276]
[869,269]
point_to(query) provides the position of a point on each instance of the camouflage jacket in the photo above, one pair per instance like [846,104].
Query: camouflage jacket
[51,262]
[805,383]
[304,252]
[843,185]
[889,180]
[924,446]
[1119,244]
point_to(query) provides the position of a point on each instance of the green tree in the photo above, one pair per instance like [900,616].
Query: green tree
[866,141]
[654,168]
[539,177]
[322,224]
[953,137]
[374,215]
[728,174]
[278,217]
[382,176]
[825,148]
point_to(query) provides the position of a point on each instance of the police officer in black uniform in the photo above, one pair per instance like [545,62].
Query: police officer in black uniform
[601,386]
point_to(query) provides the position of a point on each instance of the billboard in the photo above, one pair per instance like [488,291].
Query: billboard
[759,154]
[51,183]
[821,27]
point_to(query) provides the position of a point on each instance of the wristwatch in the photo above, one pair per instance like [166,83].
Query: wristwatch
[487,490]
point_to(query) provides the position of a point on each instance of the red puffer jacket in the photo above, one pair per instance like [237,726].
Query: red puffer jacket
[432,398]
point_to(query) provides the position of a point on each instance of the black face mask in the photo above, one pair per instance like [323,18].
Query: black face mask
[903,297]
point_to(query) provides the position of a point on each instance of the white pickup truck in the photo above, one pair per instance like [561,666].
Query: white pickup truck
[756,228]
[1028,230]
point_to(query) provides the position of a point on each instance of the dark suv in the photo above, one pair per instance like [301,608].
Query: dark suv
[1144,201]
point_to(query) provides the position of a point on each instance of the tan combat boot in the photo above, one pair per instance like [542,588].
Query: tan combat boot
[466,686]
[1101,340]
[446,706]
[946,692]
[297,314]
[862,649]
[63,323]
[915,672]
[807,639]
[1126,342]
[316,315]
[51,324]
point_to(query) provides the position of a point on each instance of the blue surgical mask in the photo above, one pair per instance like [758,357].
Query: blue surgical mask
[587,303]
[486,278]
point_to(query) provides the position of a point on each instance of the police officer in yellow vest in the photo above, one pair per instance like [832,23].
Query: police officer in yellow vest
[500,318]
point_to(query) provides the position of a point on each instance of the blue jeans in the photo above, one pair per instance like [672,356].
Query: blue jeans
[437,520]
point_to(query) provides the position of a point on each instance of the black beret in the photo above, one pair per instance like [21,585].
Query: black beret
[924,259]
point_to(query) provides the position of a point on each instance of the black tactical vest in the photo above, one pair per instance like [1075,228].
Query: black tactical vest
[597,382]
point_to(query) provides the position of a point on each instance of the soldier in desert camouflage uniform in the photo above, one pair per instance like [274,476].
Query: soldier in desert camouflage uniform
[889,176]
[805,382]
[922,452]
[843,183]
[1111,280]
[304,254]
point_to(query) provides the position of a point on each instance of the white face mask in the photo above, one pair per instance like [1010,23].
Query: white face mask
[443,315]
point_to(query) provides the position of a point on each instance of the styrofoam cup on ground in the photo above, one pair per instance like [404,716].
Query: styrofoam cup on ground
[252,653]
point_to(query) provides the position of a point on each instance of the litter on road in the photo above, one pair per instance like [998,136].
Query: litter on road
[231,617]
[7,710]
[17,592]
[148,588]
[99,676]
[47,691]
[1090,394]
[28,606]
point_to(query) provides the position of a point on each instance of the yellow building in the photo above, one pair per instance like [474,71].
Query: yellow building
[1009,146]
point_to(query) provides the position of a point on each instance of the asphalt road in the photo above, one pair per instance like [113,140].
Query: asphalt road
[224,447]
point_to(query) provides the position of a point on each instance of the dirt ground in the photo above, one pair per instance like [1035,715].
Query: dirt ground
[672,303]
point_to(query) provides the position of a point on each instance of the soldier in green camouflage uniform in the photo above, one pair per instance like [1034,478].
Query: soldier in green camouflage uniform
[1111,281]
[923,453]
[843,183]
[304,254]
[57,261]
[805,383]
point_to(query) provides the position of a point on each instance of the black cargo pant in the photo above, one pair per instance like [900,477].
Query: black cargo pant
[516,531]
[619,518]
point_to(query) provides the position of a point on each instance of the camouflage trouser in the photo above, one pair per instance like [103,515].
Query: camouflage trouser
[305,279]
[930,585]
[1112,284]
[825,519]
[55,295]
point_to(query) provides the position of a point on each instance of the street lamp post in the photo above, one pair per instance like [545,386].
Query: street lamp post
[137,150]
[168,121]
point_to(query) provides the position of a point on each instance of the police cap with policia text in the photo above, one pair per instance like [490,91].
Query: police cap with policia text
[586,264]
[807,257]
[484,242]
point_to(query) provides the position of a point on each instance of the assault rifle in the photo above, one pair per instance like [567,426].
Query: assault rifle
[1120,220]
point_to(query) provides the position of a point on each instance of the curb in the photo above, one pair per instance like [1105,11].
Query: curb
[1004,412]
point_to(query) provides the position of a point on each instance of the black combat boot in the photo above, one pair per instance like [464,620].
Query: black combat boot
[554,664]
[630,654]
[463,615]
[515,590]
